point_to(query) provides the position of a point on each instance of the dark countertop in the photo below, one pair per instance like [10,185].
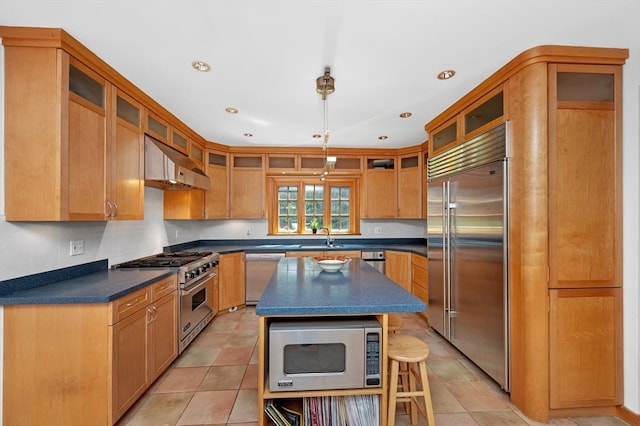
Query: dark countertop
[300,287]
[97,287]
[94,283]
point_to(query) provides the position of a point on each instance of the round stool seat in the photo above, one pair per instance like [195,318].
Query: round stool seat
[395,322]
[406,348]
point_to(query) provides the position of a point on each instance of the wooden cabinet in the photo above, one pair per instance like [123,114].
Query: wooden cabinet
[420,279]
[379,188]
[184,204]
[247,187]
[130,335]
[563,106]
[145,337]
[398,268]
[217,196]
[231,283]
[410,186]
[68,155]
[127,159]
[586,347]
[92,361]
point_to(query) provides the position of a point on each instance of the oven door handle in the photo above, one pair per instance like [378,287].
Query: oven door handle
[198,286]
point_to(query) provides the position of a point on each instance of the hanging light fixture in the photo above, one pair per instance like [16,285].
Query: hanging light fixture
[325,85]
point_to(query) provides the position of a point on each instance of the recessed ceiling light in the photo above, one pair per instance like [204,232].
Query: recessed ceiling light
[316,136]
[201,66]
[383,137]
[446,74]
[231,110]
[405,115]
[247,134]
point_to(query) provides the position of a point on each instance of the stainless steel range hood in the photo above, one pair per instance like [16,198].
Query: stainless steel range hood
[167,168]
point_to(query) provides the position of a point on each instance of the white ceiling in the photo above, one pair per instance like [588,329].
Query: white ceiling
[266,55]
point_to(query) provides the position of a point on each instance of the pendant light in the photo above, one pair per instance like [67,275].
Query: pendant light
[325,85]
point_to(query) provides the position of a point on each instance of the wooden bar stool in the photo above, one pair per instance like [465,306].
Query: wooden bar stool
[413,351]
[395,323]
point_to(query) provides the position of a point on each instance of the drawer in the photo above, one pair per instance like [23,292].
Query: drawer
[163,287]
[420,261]
[421,292]
[127,305]
[419,275]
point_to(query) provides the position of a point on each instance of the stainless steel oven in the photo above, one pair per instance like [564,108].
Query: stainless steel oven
[195,307]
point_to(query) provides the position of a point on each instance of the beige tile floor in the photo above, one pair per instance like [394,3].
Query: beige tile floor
[214,382]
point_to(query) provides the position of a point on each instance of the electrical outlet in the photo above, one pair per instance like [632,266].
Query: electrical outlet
[248,232]
[377,230]
[76,247]
[177,234]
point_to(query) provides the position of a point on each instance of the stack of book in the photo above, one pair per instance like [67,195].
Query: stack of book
[281,415]
[351,410]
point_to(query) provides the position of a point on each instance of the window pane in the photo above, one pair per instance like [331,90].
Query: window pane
[287,208]
[340,208]
[313,205]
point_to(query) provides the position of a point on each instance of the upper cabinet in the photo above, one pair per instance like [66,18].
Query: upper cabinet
[410,186]
[64,140]
[127,154]
[217,197]
[247,186]
[379,188]
[485,113]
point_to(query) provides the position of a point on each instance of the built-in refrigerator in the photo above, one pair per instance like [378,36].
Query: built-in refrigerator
[468,251]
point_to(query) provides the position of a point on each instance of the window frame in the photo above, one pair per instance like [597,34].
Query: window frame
[300,181]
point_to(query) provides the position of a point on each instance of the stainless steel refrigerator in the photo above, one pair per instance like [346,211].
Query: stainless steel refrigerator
[468,251]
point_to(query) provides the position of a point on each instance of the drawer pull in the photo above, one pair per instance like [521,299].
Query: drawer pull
[134,302]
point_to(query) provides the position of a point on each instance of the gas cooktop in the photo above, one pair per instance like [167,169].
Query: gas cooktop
[168,259]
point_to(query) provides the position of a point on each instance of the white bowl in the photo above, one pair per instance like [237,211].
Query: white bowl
[331,265]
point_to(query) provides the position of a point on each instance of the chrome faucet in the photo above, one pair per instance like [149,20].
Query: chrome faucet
[329,240]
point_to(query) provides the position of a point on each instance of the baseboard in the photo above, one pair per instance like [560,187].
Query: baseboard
[628,416]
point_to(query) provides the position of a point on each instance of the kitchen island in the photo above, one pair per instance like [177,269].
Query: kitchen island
[299,288]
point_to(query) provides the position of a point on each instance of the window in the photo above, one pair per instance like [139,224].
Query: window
[300,201]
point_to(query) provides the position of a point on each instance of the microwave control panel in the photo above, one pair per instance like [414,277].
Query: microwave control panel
[373,362]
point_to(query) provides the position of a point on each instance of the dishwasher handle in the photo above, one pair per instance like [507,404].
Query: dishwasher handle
[252,257]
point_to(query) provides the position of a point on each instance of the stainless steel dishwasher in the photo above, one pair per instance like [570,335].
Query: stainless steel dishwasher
[259,267]
[375,259]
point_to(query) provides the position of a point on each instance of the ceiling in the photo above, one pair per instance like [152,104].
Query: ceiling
[265,57]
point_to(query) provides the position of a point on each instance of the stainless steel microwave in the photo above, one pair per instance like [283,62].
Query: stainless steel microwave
[325,354]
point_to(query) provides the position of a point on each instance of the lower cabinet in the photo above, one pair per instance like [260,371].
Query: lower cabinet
[585,327]
[420,279]
[86,364]
[398,268]
[231,287]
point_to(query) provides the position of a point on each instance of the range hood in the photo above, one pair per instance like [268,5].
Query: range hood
[167,168]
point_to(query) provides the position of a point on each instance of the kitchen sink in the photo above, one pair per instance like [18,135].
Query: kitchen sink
[320,246]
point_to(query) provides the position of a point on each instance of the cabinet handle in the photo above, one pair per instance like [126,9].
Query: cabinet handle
[109,209]
[115,209]
[133,302]
[151,318]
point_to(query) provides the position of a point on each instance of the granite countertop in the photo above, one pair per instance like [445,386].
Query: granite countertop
[300,287]
[97,287]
